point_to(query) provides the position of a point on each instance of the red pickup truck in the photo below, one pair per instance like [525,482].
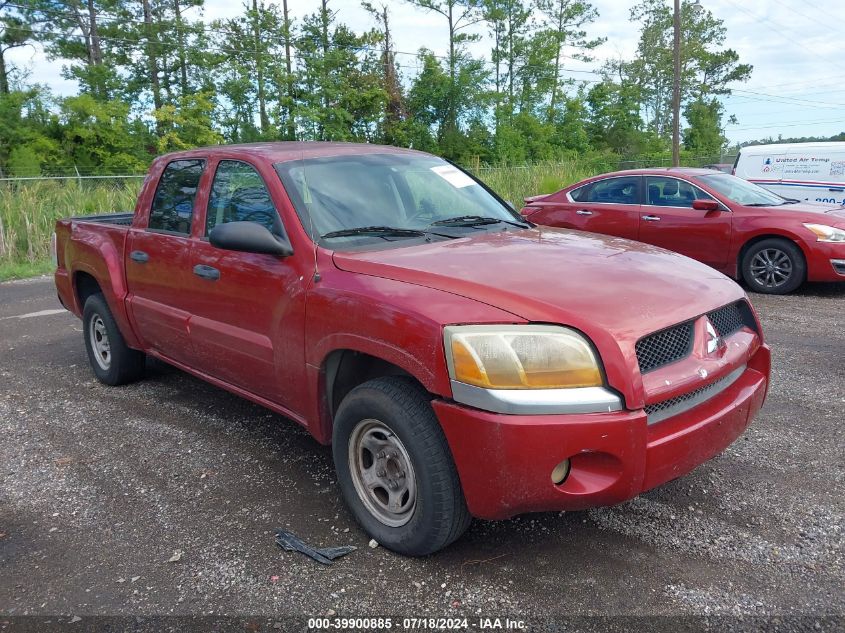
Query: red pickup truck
[460,360]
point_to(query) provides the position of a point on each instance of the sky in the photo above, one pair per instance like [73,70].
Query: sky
[796,89]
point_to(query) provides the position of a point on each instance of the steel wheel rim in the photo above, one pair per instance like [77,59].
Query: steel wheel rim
[771,267]
[382,473]
[100,345]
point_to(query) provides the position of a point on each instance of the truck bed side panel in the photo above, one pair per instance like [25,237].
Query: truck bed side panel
[96,249]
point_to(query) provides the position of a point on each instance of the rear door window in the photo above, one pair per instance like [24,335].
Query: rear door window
[580,194]
[238,194]
[614,191]
[671,192]
[173,205]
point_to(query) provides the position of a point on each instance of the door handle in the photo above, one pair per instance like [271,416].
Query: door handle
[583,212]
[836,189]
[139,256]
[651,218]
[206,272]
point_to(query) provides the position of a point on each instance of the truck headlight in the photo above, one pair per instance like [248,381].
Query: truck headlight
[526,370]
[521,357]
[826,233]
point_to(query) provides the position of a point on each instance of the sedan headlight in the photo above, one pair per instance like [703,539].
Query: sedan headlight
[521,357]
[826,233]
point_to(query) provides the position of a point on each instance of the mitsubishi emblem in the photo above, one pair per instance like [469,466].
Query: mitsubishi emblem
[714,341]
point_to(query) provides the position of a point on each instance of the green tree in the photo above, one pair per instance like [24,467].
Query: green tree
[395,111]
[74,30]
[464,72]
[510,26]
[704,136]
[707,68]
[187,124]
[565,20]
[14,33]
[341,88]
[99,136]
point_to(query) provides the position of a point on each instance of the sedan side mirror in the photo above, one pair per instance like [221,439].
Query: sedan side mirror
[249,237]
[705,205]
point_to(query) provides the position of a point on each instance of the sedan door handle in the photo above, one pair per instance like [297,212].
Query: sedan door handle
[651,218]
[206,272]
[836,189]
[583,212]
[139,256]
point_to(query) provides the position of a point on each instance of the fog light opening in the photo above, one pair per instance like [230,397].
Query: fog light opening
[561,472]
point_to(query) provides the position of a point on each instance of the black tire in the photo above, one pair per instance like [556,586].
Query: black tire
[439,514]
[121,364]
[784,255]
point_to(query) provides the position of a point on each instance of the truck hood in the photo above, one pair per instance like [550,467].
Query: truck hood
[609,288]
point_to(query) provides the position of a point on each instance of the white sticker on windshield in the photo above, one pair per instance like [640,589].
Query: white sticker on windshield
[453,176]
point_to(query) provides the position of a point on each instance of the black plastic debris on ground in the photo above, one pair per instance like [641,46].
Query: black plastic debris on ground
[324,555]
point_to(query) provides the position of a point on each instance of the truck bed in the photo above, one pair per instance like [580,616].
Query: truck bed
[120,218]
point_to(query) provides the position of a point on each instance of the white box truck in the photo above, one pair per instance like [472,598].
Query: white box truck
[814,172]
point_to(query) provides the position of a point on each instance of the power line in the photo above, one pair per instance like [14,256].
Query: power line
[775,127]
[295,45]
[795,99]
[792,9]
[791,38]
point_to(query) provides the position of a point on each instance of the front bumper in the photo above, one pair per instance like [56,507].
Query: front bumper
[825,261]
[505,461]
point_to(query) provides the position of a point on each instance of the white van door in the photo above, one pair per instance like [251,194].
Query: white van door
[814,176]
[761,169]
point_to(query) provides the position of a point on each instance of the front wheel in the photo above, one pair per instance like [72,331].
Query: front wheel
[774,266]
[395,468]
[113,362]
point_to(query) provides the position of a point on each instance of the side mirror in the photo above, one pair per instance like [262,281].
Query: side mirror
[249,237]
[705,205]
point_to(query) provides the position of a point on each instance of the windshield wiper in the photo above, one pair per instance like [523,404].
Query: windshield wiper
[475,220]
[375,230]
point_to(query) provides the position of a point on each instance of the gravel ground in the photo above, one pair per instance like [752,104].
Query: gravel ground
[100,486]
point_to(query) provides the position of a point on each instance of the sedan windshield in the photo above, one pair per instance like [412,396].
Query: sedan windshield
[390,198]
[741,191]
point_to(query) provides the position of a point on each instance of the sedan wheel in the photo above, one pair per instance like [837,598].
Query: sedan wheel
[771,267]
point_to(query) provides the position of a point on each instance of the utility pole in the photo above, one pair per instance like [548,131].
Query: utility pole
[676,90]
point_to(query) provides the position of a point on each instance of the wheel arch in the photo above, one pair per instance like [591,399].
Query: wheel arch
[342,370]
[86,281]
[749,243]
[84,285]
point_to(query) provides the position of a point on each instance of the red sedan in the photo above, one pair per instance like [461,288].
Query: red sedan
[773,243]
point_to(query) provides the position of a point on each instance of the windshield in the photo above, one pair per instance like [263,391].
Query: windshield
[741,191]
[389,197]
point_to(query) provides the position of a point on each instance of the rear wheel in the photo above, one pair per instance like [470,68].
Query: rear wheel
[774,266]
[395,468]
[113,362]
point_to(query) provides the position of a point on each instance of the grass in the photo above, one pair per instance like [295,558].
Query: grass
[515,183]
[28,212]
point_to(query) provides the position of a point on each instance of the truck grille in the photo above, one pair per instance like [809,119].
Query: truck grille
[664,347]
[731,318]
[686,401]
[675,343]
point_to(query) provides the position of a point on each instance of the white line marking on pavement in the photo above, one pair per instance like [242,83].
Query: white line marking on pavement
[36,314]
